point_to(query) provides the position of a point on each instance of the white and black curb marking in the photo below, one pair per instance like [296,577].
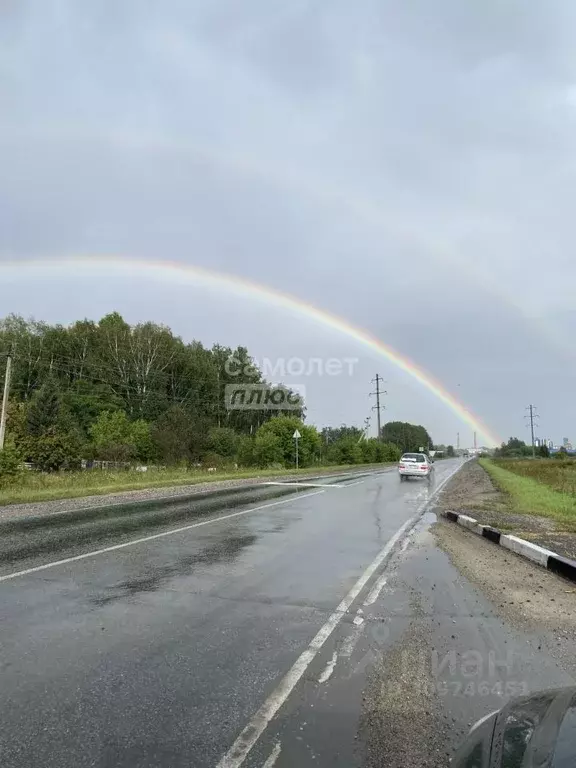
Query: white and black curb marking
[550,560]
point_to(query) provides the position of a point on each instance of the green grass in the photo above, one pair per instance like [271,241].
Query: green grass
[526,493]
[560,475]
[37,486]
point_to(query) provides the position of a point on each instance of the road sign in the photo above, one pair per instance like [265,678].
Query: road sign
[296,437]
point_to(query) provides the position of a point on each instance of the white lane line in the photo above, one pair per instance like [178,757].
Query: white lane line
[350,643]
[259,722]
[349,485]
[154,536]
[375,591]
[327,674]
[274,755]
[306,485]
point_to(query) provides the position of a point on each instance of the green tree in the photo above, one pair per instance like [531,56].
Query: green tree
[52,452]
[268,449]
[543,451]
[65,378]
[222,441]
[45,410]
[407,437]
[112,437]
[141,438]
[371,450]
[332,434]
[10,461]
[390,452]
[246,454]
[173,435]
[514,448]
[346,450]
[450,451]
[309,443]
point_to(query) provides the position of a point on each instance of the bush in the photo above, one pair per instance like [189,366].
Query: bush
[390,452]
[346,451]
[246,452]
[53,452]
[211,459]
[223,441]
[10,462]
[267,450]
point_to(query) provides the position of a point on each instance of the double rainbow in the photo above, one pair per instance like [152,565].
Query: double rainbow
[173,271]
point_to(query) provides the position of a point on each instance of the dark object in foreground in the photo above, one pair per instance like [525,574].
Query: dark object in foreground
[537,730]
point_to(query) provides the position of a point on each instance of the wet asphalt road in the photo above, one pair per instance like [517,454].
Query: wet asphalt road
[160,653]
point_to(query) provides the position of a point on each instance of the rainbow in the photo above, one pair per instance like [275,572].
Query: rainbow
[171,271]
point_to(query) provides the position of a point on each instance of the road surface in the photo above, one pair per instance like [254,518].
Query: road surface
[302,630]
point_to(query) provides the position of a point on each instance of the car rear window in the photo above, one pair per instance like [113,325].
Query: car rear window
[413,457]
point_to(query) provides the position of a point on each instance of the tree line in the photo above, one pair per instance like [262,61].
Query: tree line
[111,391]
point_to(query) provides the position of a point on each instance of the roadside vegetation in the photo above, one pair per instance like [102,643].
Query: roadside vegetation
[541,487]
[49,486]
[98,407]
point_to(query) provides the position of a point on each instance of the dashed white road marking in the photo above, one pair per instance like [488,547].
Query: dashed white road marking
[259,722]
[327,673]
[256,726]
[274,755]
[351,641]
[375,591]
[153,537]
[306,485]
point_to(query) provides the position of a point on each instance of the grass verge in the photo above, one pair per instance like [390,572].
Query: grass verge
[530,497]
[33,487]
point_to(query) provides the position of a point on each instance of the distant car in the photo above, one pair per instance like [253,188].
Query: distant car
[415,465]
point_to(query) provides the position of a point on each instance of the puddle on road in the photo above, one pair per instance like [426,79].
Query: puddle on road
[224,552]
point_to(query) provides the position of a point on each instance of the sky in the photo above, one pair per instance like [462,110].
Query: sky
[408,166]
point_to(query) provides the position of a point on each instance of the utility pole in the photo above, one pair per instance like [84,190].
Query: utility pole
[4,410]
[364,433]
[376,408]
[457,441]
[532,415]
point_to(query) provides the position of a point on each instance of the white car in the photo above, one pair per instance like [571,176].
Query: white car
[415,465]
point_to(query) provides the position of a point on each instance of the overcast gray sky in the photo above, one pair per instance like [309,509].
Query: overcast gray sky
[407,165]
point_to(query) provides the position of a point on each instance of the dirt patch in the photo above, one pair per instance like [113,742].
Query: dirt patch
[401,722]
[471,492]
[527,595]
[562,543]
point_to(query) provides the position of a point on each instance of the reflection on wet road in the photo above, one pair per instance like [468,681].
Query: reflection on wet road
[159,653]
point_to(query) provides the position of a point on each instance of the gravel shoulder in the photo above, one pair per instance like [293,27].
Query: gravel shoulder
[471,492]
[56,507]
[460,627]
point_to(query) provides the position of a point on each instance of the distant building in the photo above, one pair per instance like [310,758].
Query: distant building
[565,442]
